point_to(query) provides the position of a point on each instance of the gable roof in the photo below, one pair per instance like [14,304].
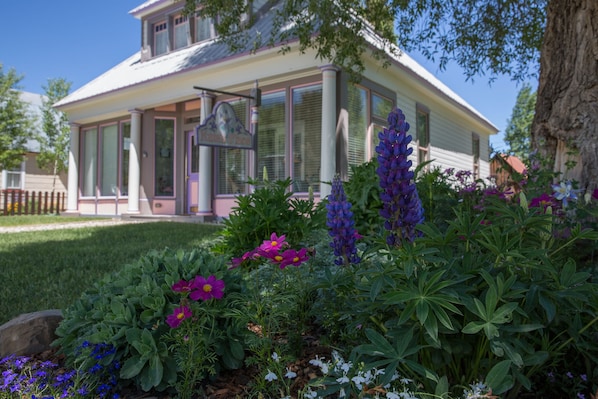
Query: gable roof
[133,71]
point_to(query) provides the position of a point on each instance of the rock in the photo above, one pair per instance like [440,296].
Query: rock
[30,333]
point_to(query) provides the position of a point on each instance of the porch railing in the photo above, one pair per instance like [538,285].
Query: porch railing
[21,202]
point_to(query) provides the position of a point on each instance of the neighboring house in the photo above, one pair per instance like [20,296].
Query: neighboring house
[507,171]
[28,176]
[133,139]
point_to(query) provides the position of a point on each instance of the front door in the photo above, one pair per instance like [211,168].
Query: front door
[192,173]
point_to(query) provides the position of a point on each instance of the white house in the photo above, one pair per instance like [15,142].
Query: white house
[134,148]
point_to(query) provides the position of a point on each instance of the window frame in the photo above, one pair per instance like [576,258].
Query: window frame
[176,24]
[155,34]
[421,109]
[373,121]
[98,157]
[475,152]
[172,154]
[212,28]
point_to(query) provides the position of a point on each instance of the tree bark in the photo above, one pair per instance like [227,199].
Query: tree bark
[566,115]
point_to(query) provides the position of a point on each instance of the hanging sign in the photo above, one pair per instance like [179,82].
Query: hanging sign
[223,129]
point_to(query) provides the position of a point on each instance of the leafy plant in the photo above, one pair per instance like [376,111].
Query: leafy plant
[271,207]
[128,309]
[491,296]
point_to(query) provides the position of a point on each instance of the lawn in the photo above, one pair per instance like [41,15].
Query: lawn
[50,269]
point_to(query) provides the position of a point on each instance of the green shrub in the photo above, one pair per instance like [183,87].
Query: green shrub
[128,310]
[270,208]
[493,296]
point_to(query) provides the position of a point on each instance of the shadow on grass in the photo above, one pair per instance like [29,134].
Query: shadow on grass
[50,269]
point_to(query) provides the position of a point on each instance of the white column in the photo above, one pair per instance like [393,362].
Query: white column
[73,171]
[328,148]
[134,161]
[204,198]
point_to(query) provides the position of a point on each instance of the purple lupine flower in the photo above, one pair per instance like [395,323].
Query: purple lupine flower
[401,206]
[341,225]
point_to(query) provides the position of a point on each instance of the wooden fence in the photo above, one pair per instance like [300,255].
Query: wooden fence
[21,202]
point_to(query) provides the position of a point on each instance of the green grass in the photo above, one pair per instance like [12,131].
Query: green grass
[50,269]
[27,220]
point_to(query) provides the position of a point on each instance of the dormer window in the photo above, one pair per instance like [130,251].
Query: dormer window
[160,38]
[204,28]
[181,31]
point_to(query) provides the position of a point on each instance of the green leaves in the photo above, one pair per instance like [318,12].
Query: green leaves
[400,356]
[428,301]
[490,315]
[16,122]
[129,308]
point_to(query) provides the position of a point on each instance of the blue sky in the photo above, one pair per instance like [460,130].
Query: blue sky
[79,40]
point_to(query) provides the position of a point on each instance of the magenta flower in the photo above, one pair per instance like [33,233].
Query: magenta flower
[543,201]
[274,244]
[182,286]
[293,257]
[247,256]
[205,289]
[176,318]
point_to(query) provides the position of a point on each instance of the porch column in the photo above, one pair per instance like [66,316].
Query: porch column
[204,197]
[134,161]
[328,145]
[73,171]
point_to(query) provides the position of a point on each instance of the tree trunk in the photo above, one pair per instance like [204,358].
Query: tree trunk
[566,118]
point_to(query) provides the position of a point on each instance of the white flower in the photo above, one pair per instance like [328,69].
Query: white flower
[392,395]
[358,380]
[270,376]
[275,357]
[346,367]
[316,362]
[343,380]
[290,373]
[310,394]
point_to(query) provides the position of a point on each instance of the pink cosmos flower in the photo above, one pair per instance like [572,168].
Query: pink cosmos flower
[293,257]
[249,255]
[176,318]
[205,289]
[182,286]
[274,244]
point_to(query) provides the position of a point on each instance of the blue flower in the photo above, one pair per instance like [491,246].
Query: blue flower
[401,206]
[341,225]
[564,192]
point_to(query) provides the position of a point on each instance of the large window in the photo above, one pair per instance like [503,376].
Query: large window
[368,112]
[272,142]
[232,162]
[90,162]
[307,128]
[160,38]
[164,168]
[181,31]
[105,160]
[109,164]
[422,122]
